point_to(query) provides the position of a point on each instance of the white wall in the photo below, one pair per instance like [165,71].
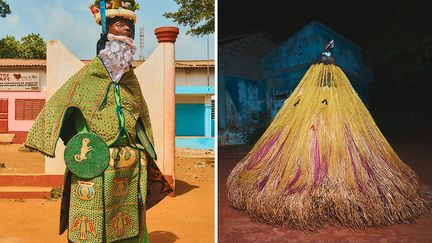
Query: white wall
[194,77]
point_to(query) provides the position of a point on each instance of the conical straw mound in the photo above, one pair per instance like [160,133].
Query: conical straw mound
[323,160]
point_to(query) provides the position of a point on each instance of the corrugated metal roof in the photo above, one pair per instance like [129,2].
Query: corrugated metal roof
[8,62]
[194,63]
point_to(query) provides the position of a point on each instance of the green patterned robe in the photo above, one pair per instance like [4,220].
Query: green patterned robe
[89,95]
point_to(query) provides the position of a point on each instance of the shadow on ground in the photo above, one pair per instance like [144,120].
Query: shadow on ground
[163,237]
[182,187]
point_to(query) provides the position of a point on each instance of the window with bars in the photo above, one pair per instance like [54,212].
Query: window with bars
[212,109]
[28,109]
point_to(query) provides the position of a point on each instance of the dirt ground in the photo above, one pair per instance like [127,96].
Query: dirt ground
[234,226]
[188,217]
[17,160]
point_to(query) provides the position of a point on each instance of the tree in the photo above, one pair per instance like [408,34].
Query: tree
[31,46]
[198,15]
[404,47]
[4,8]
[9,47]
[401,56]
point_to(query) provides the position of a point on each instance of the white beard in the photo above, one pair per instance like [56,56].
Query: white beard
[117,55]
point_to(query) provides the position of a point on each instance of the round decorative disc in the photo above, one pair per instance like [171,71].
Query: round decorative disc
[86,155]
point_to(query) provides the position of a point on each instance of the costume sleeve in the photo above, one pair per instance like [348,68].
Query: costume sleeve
[45,131]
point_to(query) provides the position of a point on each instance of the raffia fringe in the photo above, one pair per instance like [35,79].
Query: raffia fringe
[323,160]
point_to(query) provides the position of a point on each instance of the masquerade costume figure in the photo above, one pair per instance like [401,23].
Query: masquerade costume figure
[323,161]
[101,115]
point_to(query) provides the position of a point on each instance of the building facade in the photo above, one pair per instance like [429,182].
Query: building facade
[241,89]
[195,97]
[22,95]
[284,67]
[257,74]
[23,92]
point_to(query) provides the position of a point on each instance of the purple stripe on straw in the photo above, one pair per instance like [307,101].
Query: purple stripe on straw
[263,183]
[296,190]
[359,185]
[373,178]
[352,143]
[262,152]
[278,179]
[316,157]
[296,178]
[325,168]
[369,171]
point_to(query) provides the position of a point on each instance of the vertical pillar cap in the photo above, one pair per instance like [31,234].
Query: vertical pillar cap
[167,34]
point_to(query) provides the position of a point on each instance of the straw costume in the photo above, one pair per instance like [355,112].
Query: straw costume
[101,115]
[323,161]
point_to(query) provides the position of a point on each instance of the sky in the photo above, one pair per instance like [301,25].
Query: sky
[355,20]
[72,23]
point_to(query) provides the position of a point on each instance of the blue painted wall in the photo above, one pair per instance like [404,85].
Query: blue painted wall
[284,67]
[190,120]
[196,143]
[246,94]
[195,90]
[242,98]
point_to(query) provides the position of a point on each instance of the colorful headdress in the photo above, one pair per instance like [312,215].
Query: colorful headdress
[103,9]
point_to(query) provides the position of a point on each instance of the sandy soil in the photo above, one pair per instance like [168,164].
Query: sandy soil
[234,226]
[19,161]
[188,217]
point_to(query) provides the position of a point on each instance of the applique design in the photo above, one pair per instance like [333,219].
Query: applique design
[83,225]
[120,222]
[127,157]
[85,190]
[121,187]
[86,155]
[85,148]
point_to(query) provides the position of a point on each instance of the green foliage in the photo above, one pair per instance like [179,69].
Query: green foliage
[198,15]
[4,8]
[31,46]
[9,47]
[404,47]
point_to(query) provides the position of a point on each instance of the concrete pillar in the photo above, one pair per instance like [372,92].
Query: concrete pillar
[157,80]
[167,37]
[61,65]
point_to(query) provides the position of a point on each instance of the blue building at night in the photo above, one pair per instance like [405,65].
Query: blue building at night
[252,91]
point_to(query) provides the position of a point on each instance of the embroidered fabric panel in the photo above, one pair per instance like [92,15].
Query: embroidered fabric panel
[86,210]
[122,216]
[121,194]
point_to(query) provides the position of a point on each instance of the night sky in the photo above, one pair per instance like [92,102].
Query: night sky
[396,104]
[355,20]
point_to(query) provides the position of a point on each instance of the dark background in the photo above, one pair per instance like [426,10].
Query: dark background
[396,41]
